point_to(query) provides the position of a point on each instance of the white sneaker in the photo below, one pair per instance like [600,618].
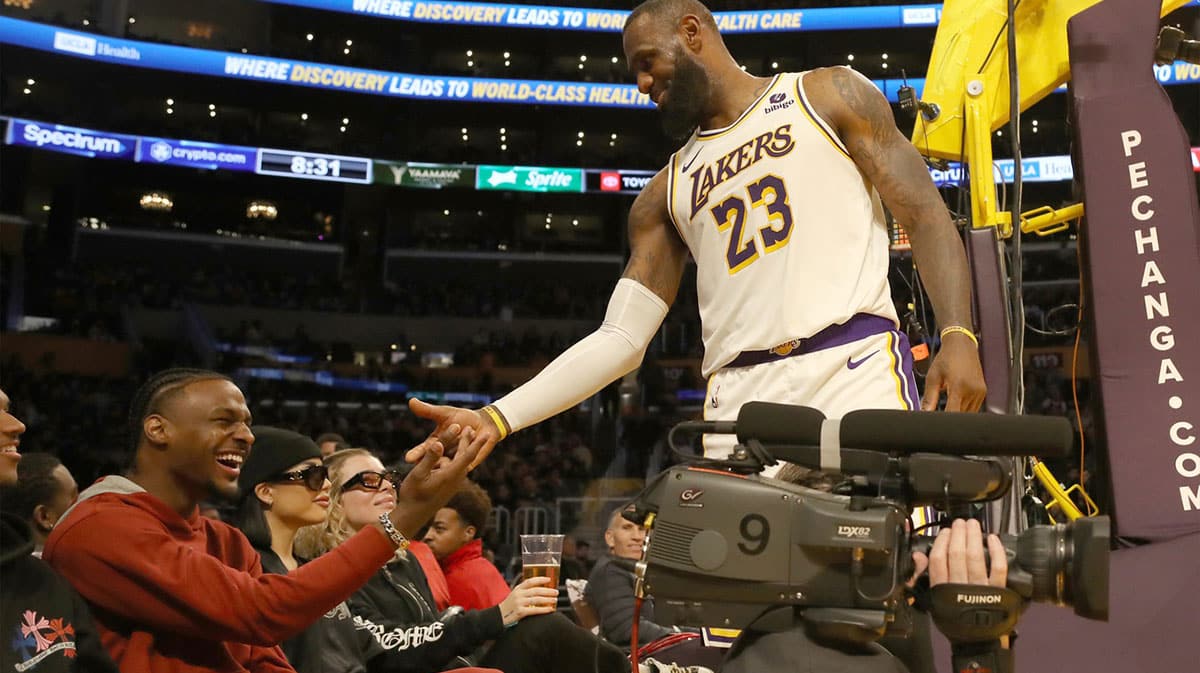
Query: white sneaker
[651,665]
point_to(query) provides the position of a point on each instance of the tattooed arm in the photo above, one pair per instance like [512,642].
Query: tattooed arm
[637,308]
[656,252]
[863,120]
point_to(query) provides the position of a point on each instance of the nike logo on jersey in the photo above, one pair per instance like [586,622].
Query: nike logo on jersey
[691,161]
[853,364]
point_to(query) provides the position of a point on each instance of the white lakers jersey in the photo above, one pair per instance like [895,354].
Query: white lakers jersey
[788,235]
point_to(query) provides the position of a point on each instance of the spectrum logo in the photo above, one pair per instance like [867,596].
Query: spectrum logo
[73,139]
[610,181]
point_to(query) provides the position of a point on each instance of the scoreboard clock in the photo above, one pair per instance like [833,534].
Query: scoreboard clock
[312,166]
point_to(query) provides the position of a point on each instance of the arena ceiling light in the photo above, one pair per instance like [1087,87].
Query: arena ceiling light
[156,201]
[303,116]
[262,210]
[309,37]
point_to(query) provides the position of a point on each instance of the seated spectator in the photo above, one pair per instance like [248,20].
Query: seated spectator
[174,591]
[455,536]
[48,622]
[398,602]
[610,587]
[330,442]
[583,554]
[44,490]
[285,487]
[570,567]
[610,594]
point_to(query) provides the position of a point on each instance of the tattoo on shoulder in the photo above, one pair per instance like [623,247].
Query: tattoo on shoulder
[880,150]
[862,102]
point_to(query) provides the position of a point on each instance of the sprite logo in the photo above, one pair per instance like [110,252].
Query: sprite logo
[529,179]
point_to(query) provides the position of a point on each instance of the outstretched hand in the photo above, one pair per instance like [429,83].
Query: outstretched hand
[447,418]
[956,370]
[433,480]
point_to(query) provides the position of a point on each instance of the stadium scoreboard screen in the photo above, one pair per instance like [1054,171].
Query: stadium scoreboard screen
[314,166]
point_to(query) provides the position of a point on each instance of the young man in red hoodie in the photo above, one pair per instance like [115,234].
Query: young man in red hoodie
[455,538]
[173,591]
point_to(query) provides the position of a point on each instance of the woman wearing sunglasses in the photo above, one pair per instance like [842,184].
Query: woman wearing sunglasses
[523,634]
[284,488]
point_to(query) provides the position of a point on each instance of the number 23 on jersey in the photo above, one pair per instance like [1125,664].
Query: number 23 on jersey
[769,193]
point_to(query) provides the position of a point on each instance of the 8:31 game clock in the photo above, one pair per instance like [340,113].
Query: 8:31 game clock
[313,166]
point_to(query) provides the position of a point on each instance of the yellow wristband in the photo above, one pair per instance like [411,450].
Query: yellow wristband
[497,418]
[959,329]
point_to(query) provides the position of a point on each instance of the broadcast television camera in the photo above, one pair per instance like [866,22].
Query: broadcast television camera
[727,547]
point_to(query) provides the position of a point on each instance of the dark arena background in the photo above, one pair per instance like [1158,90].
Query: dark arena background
[342,204]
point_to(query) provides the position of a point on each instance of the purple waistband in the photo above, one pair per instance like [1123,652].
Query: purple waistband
[859,326]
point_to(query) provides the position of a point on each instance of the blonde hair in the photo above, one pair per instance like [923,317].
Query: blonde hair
[312,541]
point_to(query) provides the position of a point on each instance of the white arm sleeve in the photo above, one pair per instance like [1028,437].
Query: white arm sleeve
[633,317]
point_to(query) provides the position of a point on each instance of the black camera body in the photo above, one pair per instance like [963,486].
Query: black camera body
[730,548]
[727,549]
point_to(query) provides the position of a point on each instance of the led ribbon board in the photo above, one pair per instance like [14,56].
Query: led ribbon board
[606,20]
[315,75]
[316,166]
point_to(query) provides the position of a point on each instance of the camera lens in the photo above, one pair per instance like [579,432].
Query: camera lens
[1067,564]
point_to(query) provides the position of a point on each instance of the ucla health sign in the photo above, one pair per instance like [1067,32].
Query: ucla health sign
[71,140]
[196,154]
[607,20]
[529,179]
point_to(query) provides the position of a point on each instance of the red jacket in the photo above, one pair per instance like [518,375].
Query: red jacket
[433,574]
[474,582]
[184,595]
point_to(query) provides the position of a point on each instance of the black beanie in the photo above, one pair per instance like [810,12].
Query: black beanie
[274,451]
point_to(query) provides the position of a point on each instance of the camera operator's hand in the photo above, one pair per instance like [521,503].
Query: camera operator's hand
[971,604]
[957,557]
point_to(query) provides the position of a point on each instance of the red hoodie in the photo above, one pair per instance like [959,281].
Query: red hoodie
[179,595]
[474,582]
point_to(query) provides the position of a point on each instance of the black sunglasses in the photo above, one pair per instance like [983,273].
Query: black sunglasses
[313,476]
[372,481]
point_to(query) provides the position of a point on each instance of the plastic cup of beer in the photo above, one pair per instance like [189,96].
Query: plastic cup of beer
[541,556]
